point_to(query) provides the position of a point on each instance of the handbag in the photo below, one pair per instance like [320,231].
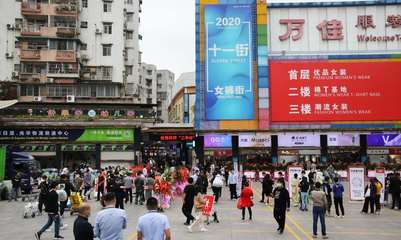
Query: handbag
[239,204]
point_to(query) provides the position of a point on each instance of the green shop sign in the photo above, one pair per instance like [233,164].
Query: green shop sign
[107,135]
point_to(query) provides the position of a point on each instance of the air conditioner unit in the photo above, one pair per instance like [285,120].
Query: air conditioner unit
[37,99]
[9,55]
[98,32]
[84,57]
[70,98]
[10,27]
[15,74]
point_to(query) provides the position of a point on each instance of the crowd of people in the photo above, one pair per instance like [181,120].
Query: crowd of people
[114,187]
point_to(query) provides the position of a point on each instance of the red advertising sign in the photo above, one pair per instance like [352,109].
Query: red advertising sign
[306,91]
[207,209]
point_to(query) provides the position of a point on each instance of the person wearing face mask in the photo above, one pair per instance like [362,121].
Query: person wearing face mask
[83,230]
[281,204]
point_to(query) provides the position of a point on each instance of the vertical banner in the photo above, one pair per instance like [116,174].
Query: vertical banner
[207,209]
[291,172]
[380,175]
[356,183]
[2,162]
[228,62]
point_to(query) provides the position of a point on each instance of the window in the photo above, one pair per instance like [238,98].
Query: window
[110,91]
[107,29]
[106,6]
[84,3]
[84,46]
[149,101]
[29,90]
[83,91]
[130,16]
[106,49]
[107,73]
[17,67]
[18,23]
[60,91]
[149,72]
[61,45]
[149,91]
[84,24]
[128,70]
[129,35]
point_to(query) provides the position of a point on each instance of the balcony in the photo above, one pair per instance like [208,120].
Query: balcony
[66,32]
[36,30]
[66,9]
[31,8]
[30,54]
[66,56]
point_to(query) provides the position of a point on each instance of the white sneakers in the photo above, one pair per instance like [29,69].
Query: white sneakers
[202,229]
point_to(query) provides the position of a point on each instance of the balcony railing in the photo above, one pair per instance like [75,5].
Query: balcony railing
[66,9]
[30,54]
[30,8]
[65,56]
[66,31]
[31,30]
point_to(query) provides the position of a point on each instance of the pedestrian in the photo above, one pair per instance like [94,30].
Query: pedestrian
[78,183]
[319,204]
[202,182]
[327,190]
[52,209]
[370,195]
[153,225]
[245,201]
[111,221]
[63,199]
[139,189]
[281,204]
[395,190]
[295,190]
[68,187]
[15,187]
[149,182]
[304,188]
[188,201]
[119,191]
[101,184]
[44,190]
[128,184]
[232,182]
[83,230]
[226,174]
[379,187]
[217,185]
[267,187]
[87,184]
[200,218]
[338,190]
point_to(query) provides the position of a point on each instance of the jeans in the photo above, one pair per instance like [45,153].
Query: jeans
[233,191]
[120,199]
[377,201]
[128,195]
[249,211]
[279,215]
[63,205]
[14,193]
[318,212]
[86,190]
[187,211]
[338,202]
[100,190]
[52,218]
[396,199]
[140,195]
[41,202]
[304,200]
[369,201]
[329,203]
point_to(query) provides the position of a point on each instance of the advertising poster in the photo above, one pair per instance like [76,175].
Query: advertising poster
[207,209]
[228,62]
[291,172]
[307,91]
[343,140]
[381,176]
[298,140]
[254,140]
[384,140]
[217,141]
[357,183]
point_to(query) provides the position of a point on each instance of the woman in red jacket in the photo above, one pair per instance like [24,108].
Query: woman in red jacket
[245,201]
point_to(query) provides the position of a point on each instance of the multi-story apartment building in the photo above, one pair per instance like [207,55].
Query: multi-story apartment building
[71,50]
[145,91]
[165,84]
[182,105]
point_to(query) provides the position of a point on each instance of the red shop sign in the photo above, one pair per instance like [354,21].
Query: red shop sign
[306,91]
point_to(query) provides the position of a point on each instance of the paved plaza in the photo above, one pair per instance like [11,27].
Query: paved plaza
[299,224]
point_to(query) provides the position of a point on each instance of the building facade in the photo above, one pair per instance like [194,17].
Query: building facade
[72,50]
[165,83]
[309,82]
[182,105]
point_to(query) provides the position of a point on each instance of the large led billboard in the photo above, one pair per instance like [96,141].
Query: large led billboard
[228,93]
[320,90]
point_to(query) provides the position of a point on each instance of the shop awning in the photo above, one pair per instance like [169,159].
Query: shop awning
[7,103]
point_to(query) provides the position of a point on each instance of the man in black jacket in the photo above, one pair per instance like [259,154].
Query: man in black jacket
[52,209]
[83,230]
[281,204]
[394,189]
[44,190]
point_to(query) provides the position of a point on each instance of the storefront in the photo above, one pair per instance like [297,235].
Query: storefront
[384,147]
[218,148]
[255,150]
[343,146]
[303,148]
[70,147]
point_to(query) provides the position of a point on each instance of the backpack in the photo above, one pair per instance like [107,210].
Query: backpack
[217,182]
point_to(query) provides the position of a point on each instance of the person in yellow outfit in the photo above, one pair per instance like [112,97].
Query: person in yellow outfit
[295,190]
[379,187]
